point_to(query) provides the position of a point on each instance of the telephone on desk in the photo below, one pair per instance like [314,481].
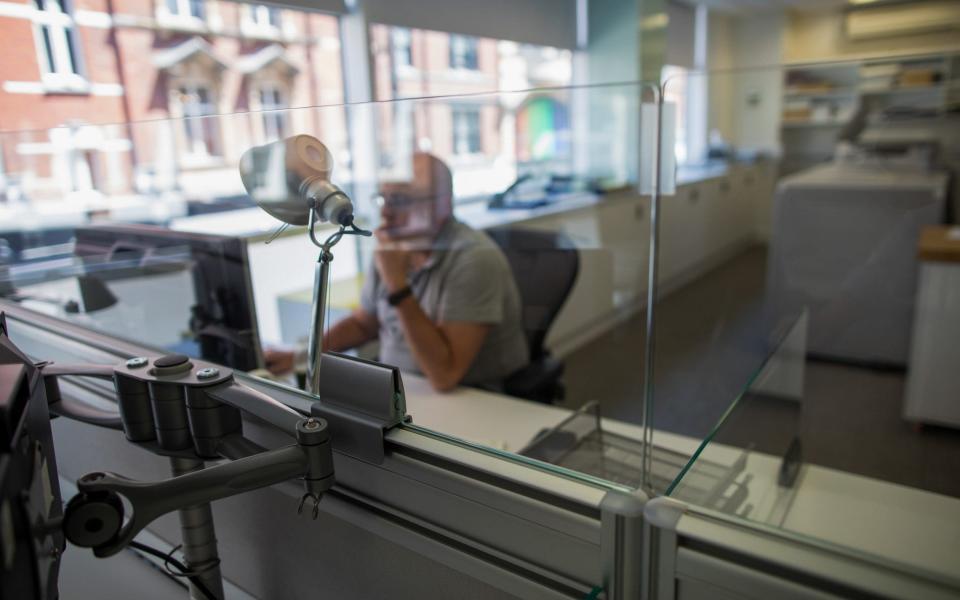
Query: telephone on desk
[533,191]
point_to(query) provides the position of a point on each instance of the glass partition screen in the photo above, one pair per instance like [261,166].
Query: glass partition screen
[801,355]
[505,275]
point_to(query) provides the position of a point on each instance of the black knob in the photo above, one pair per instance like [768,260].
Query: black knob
[93,519]
[171,360]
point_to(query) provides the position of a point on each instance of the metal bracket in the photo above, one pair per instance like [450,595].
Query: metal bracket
[361,399]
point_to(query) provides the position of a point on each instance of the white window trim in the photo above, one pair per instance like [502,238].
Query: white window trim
[393,33]
[190,157]
[257,104]
[453,131]
[64,43]
[252,26]
[476,51]
[183,20]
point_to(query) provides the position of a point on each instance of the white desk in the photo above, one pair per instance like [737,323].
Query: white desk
[905,525]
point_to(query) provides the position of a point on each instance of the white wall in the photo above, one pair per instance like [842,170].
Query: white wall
[759,91]
[745,82]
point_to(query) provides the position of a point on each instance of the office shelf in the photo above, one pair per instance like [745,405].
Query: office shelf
[810,124]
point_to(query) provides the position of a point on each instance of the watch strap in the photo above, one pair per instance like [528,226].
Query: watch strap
[399,296]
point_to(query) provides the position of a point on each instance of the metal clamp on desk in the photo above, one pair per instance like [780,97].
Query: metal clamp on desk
[360,399]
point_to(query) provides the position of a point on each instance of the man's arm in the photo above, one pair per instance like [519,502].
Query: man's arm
[359,328]
[443,351]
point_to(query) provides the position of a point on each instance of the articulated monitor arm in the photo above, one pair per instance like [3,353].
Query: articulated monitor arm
[183,408]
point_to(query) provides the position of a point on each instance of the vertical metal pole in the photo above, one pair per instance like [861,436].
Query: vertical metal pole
[321,279]
[652,276]
[199,537]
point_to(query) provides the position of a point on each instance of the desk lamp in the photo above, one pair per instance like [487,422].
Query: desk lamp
[290,180]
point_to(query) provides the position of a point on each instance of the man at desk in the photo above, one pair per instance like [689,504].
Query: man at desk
[440,296]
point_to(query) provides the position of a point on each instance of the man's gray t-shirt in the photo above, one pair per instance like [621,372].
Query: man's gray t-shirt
[467,279]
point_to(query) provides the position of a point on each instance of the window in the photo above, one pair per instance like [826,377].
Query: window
[57,38]
[463,52]
[488,145]
[265,16]
[675,92]
[466,130]
[186,8]
[84,139]
[272,104]
[402,50]
[200,133]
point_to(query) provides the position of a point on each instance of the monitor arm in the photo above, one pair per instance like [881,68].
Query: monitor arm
[189,410]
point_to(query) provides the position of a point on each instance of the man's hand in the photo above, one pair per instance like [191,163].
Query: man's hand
[392,260]
[278,361]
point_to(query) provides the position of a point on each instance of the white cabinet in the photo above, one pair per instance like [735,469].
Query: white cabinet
[703,223]
[683,231]
[933,384]
[625,232]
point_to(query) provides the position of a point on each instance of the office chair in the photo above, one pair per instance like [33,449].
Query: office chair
[545,265]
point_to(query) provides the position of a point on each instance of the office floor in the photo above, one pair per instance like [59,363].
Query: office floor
[711,337]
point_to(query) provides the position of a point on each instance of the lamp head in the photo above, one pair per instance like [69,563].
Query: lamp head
[289,178]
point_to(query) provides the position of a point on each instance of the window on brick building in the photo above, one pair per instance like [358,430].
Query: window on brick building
[265,16]
[57,38]
[272,104]
[200,134]
[466,130]
[473,139]
[402,47]
[186,8]
[463,52]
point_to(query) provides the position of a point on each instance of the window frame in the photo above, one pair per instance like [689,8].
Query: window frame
[257,20]
[457,139]
[194,123]
[273,118]
[464,57]
[184,8]
[57,45]
[184,18]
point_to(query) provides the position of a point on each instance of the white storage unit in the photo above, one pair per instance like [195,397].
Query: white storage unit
[844,246]
[933,382]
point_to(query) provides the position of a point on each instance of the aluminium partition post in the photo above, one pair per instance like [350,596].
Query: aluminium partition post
[649,342]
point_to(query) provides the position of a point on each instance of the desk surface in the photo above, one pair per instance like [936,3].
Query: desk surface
[899,523]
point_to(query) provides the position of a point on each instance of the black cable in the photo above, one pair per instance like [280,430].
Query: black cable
[196,581]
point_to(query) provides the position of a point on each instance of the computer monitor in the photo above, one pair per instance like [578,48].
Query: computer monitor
[215,321]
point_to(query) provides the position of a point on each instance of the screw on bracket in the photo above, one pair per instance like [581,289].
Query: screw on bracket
[136,363]
[311,423]
[208,373]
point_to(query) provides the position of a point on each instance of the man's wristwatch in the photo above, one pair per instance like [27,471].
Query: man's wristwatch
[399,296]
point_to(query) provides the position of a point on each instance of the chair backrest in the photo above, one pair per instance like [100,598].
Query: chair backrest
[545,266]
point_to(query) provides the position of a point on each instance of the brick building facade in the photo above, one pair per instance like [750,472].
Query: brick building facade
[137,63]
[104,104]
